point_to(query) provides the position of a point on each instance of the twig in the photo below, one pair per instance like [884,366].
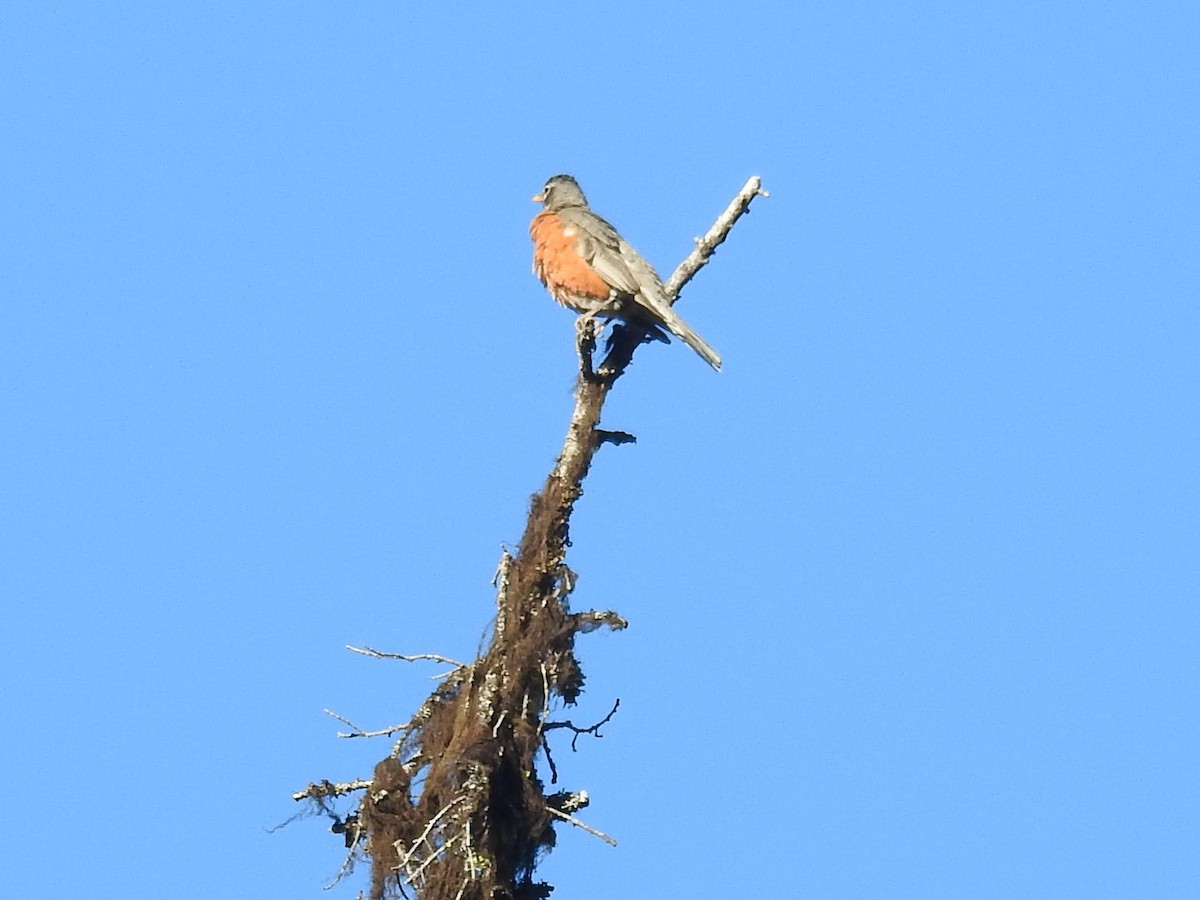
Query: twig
[414,875]
[407,657]
[362,733]
[550,760]
[588,828]
[429,826]
[713,238]
[593,730]
[545,699]
[617,438]
[589,621]
[626,338]
[499,721]
[320,789]
[347,867]
[407,857]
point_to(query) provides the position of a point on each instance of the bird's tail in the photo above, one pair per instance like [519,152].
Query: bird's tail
[684,332]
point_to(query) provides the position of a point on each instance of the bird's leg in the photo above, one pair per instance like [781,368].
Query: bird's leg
[585,343]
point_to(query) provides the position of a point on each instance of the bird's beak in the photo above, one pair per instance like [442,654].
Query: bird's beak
[539,198]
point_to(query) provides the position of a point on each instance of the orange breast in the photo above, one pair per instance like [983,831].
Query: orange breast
[560,267]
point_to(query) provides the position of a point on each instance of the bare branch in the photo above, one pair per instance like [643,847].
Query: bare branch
[319,789]
[627,337]
[405,858]
[592,729]
[346,869]
[407,657]
[578,824]
[359,732]
[589,621]
[713,238]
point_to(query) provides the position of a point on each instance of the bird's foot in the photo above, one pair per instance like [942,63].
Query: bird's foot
[585,344]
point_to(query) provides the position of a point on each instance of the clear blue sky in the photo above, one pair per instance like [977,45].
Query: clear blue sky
[913,583]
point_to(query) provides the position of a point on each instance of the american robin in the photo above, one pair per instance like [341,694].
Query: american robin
[588,267]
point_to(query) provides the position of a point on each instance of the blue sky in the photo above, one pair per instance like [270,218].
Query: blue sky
[912,583]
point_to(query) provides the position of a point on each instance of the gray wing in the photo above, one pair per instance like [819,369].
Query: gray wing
[599,244]
[651,299]
[625,270]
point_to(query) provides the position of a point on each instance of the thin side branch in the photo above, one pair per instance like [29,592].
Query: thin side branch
[626,338]
[713,238]
[589,621]
[591,729]
[407,657]
[357,732]
[578,824]
[319,789]
[616,438]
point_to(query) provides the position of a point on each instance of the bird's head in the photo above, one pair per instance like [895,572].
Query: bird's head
[560,192]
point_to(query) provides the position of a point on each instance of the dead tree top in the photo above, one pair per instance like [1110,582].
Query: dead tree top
[457,811]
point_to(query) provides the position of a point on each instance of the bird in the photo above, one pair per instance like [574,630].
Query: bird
[588,267]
